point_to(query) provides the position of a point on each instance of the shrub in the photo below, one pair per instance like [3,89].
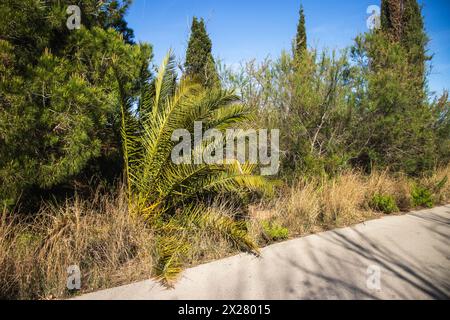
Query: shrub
[421,196]
[383,203]
[274,231]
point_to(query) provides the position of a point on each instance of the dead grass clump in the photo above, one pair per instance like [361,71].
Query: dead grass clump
[342,199]
[302,206]
[312,205]
[386,184]
[439,184]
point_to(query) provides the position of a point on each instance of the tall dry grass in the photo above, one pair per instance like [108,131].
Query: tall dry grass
[112,248]
[342,198]
[318,204]
[98,235]
[398,186]
[440,177]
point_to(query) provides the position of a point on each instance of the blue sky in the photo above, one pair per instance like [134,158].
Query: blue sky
[247,29]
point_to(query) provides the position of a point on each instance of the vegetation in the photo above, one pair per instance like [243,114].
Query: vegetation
[394,64]
[87,138]
[366,107]
[301,39]
[113,248]
[402,22]
[384,203]
[422,197]
[273,231]
[199,60]
[59,95]
[168,195]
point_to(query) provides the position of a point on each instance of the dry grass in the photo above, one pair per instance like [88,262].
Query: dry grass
[342,199]
[111,248]
[303,206]
[99,236]
[442,195]
[398,186]
[315,205]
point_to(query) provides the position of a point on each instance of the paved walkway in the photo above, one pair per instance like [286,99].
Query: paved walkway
[410,253]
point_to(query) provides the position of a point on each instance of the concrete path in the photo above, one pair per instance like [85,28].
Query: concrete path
[410,253]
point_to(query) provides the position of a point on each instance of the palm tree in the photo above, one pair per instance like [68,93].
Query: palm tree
[171,197]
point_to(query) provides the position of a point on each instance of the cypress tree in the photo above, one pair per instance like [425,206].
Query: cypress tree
[402,21]
[414,38]
[200,63]
[391,18]
[300,40]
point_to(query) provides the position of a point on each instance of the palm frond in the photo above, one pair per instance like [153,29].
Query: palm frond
[207,218]
[170,252]
[229,115]
[164,82]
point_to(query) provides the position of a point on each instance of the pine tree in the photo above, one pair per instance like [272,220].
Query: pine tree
[59,96]
[396,131]
[399,133]
[200,63]
[301,39]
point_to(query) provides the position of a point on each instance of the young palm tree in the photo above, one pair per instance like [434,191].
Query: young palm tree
[171,197]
